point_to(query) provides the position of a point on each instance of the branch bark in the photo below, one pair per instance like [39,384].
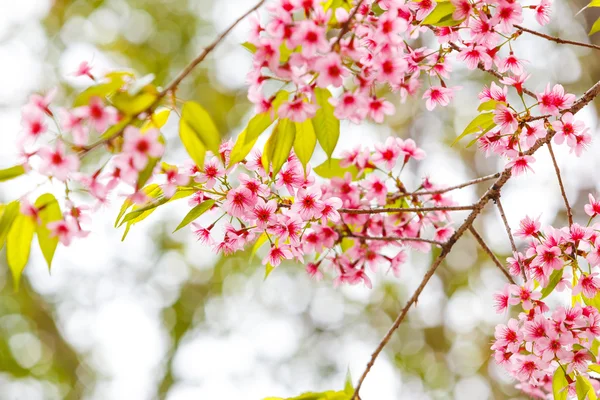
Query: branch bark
[560,184]
[557,39]
[490,253]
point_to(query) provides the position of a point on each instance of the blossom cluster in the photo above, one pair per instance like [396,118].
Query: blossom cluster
[532,346]
[298,215]
[308,44]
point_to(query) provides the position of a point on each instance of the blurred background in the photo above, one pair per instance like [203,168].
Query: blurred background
[159,316]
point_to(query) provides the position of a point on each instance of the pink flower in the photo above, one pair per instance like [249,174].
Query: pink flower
[56,163]
[462,10]
[330,210]
[516,81]
[203,234]
[528,228]
[553,100]
[84,69]
[475,55]
[311,37]
[238,202]
[525,294]
[297,110]
[542,12]
[100,116]
[378,108]
[505,119]
[65,230]
[264,212]
[567,128]
[520,164]
[141,146]
[387,154]
[409,148]
[277,254]
[313,269]
[443,233]
[593,208]
[308,204]
[33,122]
[331,71]
[174,180]
[588,284]
[501,299]
[73,122]
[511,62]
[42,103]
[352,106]
[437,95]
[211,172]
[507,14]
[375,189]
[549,256]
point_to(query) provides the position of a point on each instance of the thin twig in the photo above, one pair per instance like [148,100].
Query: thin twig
[393,238]
[557,39]
[448,189]
[490,194]
[346,26]
[510,236]
[175,82]
[489,252]
[560,183]
[402,210]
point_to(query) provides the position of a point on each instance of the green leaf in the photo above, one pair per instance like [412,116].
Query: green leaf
[262,239]
[489,105]
[555,277]
[268,269]
[195,213]
[481,122]
[305,142]
[18,246]
[594,3]
[138,214]
[595,27]
[11,173]
[348,386]
[114,81]
[194,147]
[156,120]
[441,15]
[250,47]
[202,125]
[584,389]
[595,368]
[133,105]
[152,191]
[257,125]
[278,147]
[11,210]
[49,212]
[332,169]
[118,127]
[559,384]
[326,125]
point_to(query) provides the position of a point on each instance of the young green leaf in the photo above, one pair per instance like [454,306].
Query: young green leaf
[202,125]
[559,385]
[555,277]
[595,27]
[250,47]
[305,142]
[11,172]
[483,122]
[193,145]
[133,105]
[195,212]
[257,125]
[262,239]
[326,125]
[584,389]
[49,212]
[11,210]
[18,246]
[441,15]
[332,169]
[114,81]
[278,147]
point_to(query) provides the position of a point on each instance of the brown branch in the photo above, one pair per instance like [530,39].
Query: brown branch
[448,189]
[557,39]
[560,184]
[392,238]
[402,210]
[172,86]
[489,252]
[510,236]
[490,194]
[346,26]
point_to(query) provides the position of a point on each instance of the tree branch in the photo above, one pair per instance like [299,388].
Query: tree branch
[392,238]
[490,253]
[560,183]
[346,26]
[448,189]
[510,236]
[557,39]
[402,210]
[490,194]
